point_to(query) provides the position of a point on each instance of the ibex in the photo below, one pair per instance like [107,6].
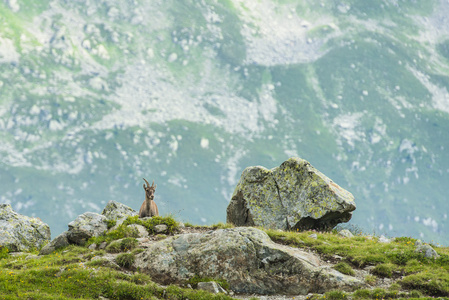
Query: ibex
[149,207]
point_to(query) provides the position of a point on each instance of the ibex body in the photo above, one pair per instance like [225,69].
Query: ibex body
[149,207]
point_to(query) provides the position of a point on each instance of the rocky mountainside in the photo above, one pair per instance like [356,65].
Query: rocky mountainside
[95,95]
[117,255]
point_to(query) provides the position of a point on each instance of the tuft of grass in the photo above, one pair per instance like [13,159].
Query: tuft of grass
[344,268]
[125,260]
[4,252]
[221,225]
[111,223]
[434,283]
[335,295]
[172,224]
[384,270]
[371,280]
[122,245]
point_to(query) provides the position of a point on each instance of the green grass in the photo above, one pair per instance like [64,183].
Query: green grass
[68,274]
[390,260]
[344,268]
[124,232]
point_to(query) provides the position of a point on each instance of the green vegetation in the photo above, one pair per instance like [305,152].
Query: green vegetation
[125,260]
[56,276]
[82,273]
[122,231]
[344,268]
[3,252]
[125,244]
[397,260]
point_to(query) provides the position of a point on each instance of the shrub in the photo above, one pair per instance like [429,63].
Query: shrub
[370,279]
[111,223]
[344,268]
[335,295]
[384,270]
[3,252]
[125,260]
[125,244]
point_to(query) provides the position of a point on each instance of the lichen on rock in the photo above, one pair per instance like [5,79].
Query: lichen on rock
[244,257]
[21,233]
[294,195]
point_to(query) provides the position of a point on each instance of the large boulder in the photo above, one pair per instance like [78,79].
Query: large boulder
[86,226]
[292,196]
[246,258]
[21,233]
[117,211]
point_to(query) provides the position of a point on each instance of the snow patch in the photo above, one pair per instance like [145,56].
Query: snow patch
[8,53]
[272,38]
[347,127]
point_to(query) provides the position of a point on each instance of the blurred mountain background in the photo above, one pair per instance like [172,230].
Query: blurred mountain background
[95,95]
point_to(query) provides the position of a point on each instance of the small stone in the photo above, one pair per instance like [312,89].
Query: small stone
[427,250]
[32,257]
[385,240]
[93,247]
[102,246]
[345,233]
[160,228]
[141,230]
[313,236]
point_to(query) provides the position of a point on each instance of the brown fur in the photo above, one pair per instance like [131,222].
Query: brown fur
[149,207]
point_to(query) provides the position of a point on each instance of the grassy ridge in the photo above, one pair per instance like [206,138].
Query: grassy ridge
[78,272]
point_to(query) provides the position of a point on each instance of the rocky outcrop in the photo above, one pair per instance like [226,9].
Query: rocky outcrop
[21,233]
[292,196]
[245,257]
[117,211]
[86,226]
[91,224]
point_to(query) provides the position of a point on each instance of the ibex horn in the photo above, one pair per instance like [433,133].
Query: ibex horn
[148,185]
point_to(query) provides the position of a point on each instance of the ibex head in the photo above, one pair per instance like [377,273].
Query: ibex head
[149,189]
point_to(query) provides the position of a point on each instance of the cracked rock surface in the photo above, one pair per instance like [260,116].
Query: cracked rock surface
[292,196]
[245,257]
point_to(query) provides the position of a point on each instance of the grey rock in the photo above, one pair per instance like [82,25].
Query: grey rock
[292,196]
[86,226]
[245,257]
[313,236]
[21,233]
[160,228]
[32,257]
[117,211]
[58,242]
[211,287]
[384,239]
[141,231]
[427,250]
[345,233]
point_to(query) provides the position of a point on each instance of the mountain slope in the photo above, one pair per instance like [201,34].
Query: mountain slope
[95,95]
